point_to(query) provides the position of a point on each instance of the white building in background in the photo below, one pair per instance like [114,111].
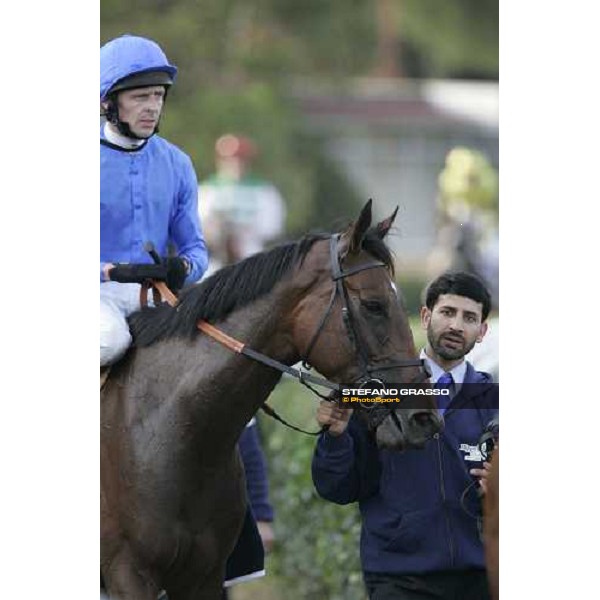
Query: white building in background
[391,138]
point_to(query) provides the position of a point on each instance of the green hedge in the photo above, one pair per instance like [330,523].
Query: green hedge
[317,551]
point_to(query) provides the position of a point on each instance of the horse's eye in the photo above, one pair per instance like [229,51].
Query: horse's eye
[374,306]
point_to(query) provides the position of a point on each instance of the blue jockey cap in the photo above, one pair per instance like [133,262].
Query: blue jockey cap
[130,61]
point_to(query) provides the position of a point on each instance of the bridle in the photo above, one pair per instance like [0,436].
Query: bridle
[338,276]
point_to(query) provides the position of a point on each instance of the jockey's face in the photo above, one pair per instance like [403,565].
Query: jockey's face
[140,108]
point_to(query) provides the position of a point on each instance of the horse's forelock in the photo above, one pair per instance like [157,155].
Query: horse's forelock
[376,247]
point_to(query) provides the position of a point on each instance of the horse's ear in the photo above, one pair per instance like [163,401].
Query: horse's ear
[382,228]
[353,236]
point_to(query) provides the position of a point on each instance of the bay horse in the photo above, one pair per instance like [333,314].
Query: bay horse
[172,484]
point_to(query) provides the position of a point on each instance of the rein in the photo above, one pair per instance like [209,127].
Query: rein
[160,288]
[338,276]
[240,348]
[237,346]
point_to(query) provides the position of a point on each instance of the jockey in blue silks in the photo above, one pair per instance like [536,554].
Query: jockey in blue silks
[148,189]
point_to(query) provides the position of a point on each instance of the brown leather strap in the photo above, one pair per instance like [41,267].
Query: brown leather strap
[240,348]
[221,337]
[165,292]
[159,291]
[144,294]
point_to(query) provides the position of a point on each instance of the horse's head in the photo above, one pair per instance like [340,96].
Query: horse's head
[329,300]
[351,325]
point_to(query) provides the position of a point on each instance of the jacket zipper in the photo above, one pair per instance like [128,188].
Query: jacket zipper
[443,490]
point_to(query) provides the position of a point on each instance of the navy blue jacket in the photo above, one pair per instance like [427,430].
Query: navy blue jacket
[255,467]
[412,519]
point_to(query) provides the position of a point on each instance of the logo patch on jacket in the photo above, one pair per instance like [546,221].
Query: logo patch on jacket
[472,453]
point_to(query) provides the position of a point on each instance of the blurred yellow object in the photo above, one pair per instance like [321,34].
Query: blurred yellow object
[468,178]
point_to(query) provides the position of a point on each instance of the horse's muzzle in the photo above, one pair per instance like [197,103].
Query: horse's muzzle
[423,425]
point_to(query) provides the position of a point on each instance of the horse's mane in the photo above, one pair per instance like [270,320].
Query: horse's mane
[233,287]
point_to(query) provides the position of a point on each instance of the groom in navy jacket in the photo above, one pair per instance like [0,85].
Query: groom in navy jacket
[420,537]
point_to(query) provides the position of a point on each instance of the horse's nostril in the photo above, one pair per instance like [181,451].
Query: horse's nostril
[422,419]
[426,421]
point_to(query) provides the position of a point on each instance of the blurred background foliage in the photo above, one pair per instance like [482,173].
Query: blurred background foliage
[468,177]
[237,59]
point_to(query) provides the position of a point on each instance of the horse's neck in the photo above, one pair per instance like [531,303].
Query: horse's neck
[244,384]
[204,389]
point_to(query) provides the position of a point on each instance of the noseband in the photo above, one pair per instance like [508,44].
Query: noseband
[338,276]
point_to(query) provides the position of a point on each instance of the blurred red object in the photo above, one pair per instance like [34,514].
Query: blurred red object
[234,146]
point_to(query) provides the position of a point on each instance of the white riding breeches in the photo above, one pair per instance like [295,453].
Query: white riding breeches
[117,302]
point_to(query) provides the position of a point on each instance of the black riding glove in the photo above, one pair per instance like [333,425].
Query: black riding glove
[138,273]
[177,271]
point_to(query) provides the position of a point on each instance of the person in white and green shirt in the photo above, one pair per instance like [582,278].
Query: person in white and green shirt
[240,213]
